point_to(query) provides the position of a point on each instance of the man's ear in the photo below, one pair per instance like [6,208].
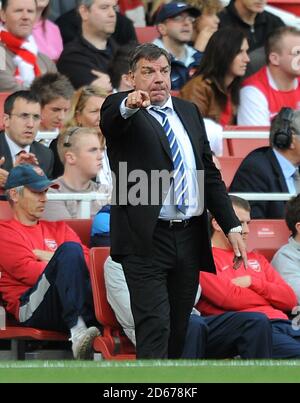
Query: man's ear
[14,195]
[6,121]
[83,11]
[162,29]
[274,58]
[215,225]
[126,80]
[70,157]
[3,16]
[297,226]
[131,78]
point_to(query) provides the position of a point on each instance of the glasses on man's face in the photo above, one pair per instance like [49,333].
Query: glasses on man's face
[183,17]
[26,116]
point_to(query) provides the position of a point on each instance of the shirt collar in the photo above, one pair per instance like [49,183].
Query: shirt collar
[288,169]
[188,50]
[14,148]
[294,243]
[168,105]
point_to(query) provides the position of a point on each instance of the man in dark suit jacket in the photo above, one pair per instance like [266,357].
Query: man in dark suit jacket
[160,244]
[22,116]
[272,169]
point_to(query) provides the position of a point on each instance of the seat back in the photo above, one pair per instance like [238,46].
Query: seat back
[292,6]
[104,313]
[146,34]
[229,166]
[241,147]
[267,235]
[82,227]
[5,210]
[113,344]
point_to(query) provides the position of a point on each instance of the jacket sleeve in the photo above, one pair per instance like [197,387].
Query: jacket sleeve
[273,288]
[218,290]
[200,95]
[250,179]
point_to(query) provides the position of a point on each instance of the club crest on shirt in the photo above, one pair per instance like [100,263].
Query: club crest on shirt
[38,171]
[51,244]
[254,265]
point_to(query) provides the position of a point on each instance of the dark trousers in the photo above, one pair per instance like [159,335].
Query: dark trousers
[162,290]
[61,294]
[286,339]
[247,334]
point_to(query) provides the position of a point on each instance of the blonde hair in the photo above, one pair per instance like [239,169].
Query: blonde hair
[206,6]
[79,101]
[69,138]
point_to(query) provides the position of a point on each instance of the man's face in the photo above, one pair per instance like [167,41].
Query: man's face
[253,6]
[22,124]
[244,217]
[178,28]
[288,58]
[29,206]
[19,17]
[100,17]
[54,114]
[153,76]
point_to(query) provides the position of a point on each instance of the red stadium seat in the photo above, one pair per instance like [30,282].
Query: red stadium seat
[113,344]
[3,96]
[267,235]
[267,253]
[18,334]
[229,166]
[292,6]
[240,147]
[146,34]
[82,227]
[5,210]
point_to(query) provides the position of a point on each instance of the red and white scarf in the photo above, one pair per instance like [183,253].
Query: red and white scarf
[25,59]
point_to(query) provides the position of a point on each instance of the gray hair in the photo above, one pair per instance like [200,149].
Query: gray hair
[18,189]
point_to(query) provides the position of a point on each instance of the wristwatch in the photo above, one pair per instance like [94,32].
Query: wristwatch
[238,229]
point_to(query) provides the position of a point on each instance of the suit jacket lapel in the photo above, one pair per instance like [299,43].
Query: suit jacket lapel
[278,171]
[5,151]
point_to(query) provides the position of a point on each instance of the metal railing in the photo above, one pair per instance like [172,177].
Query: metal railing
[85,199]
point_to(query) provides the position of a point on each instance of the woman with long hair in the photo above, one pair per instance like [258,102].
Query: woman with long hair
[215,87]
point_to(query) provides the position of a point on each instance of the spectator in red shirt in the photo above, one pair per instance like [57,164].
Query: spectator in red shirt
[44,271]
[255,288]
